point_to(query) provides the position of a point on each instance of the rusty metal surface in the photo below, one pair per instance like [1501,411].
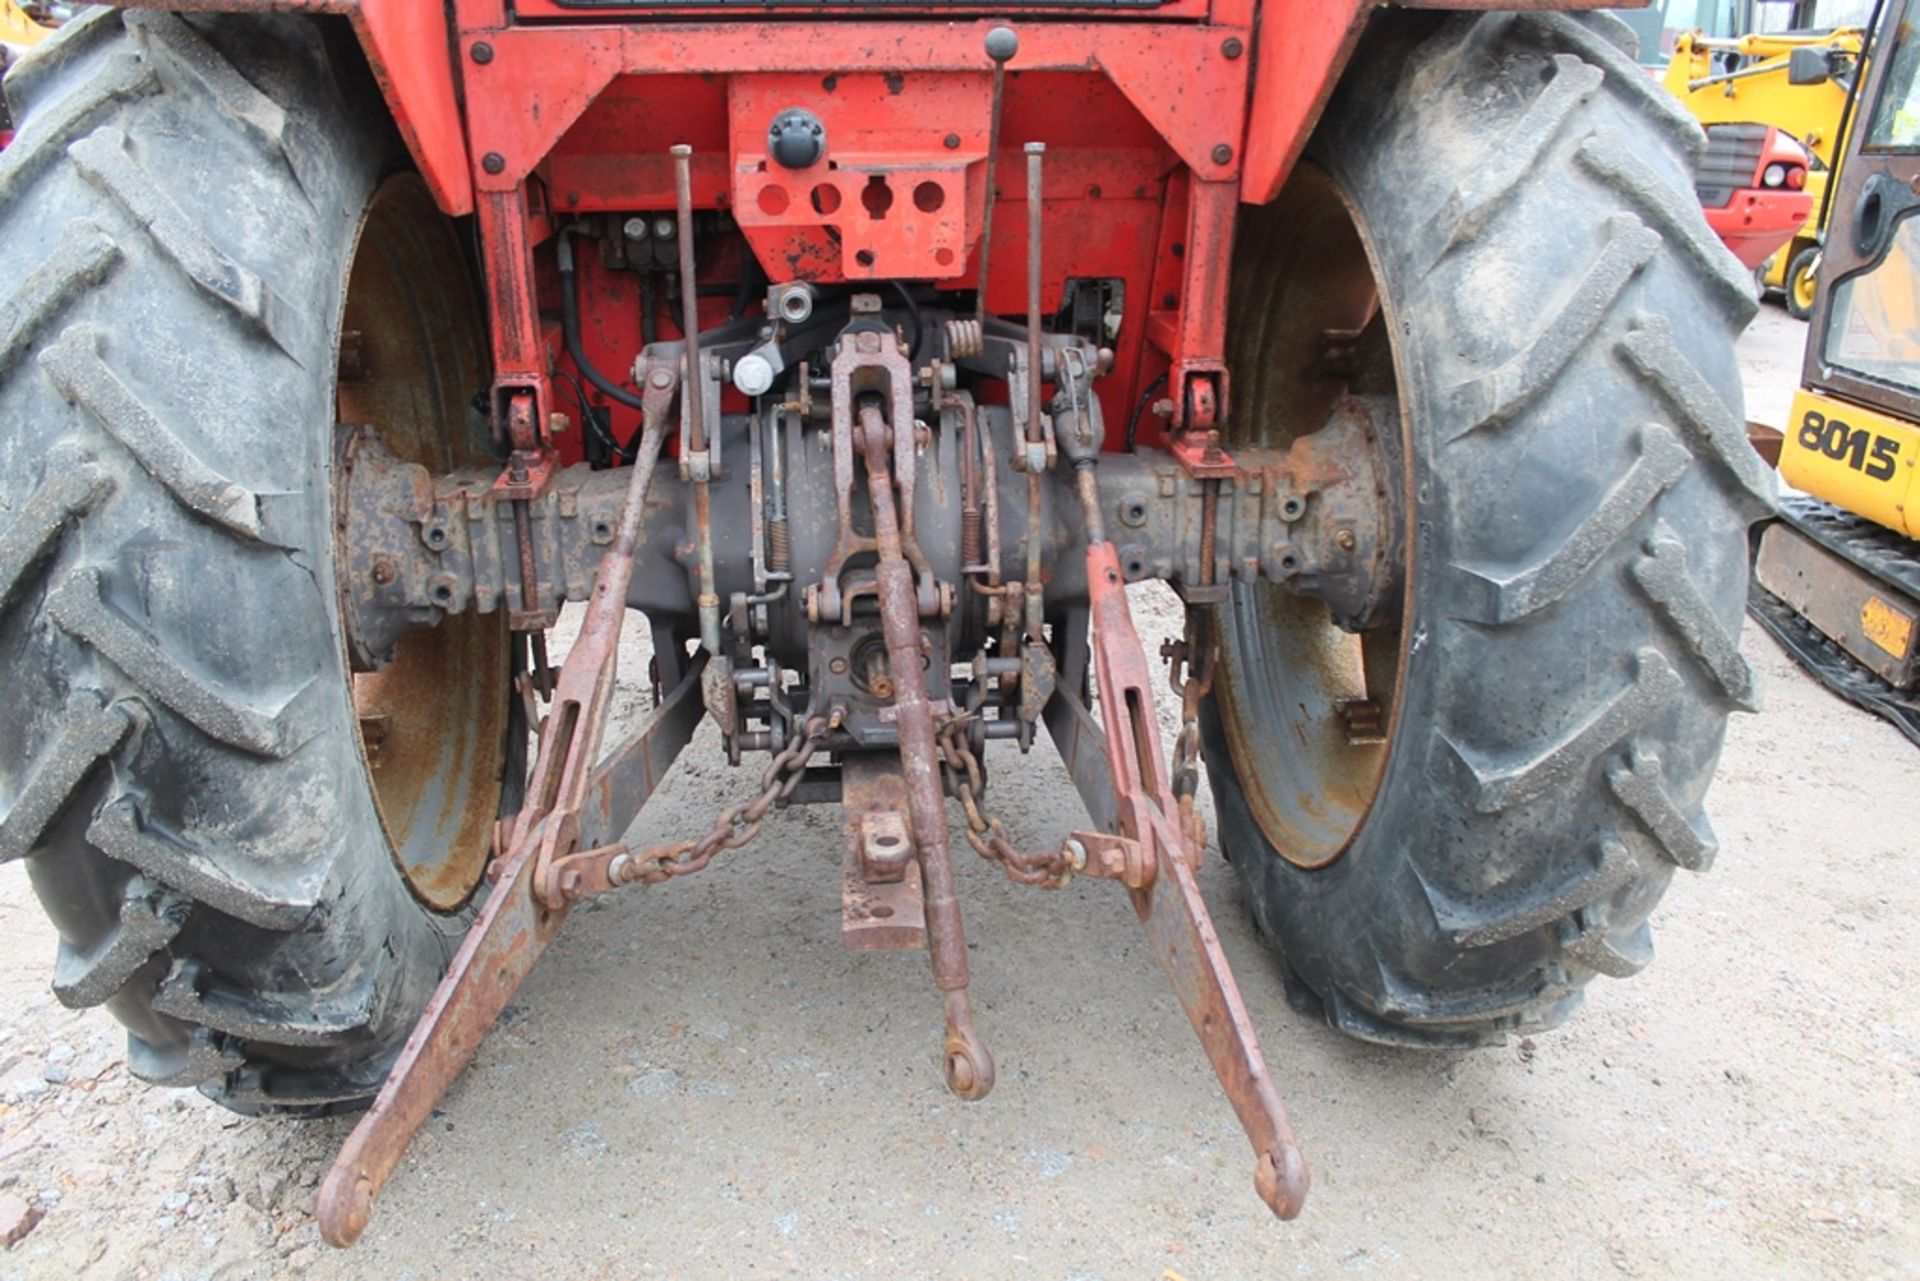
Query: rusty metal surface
[577,715]
[412,350]
[506,938]
[1049,869]
[1183,937]
[878,914]
[1766,442]
[969,1068]
[500,948]
[1868,617]
[1171,909]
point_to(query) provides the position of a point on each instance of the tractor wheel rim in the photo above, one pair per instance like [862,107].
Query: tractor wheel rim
[434,722]
[1289,680]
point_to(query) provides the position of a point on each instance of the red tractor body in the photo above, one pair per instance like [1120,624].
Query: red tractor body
[1159,120]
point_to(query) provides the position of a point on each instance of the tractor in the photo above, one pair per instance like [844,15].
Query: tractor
[865,355]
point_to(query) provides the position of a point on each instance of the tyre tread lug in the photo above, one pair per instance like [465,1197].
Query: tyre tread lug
[74,363]
[89,729]
[1713,428]
[79,260]
[1499,396]
[1606,155]
[1499,786]
[150,916]
[1662,460]
[77,607]
[1640,783]
[104,159]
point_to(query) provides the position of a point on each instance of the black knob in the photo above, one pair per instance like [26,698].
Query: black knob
[1002,44]
[796,139]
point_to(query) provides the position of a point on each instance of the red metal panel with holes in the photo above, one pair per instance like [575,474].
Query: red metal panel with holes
[1158,119]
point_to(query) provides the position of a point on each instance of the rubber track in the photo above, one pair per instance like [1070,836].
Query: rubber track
[1875,551]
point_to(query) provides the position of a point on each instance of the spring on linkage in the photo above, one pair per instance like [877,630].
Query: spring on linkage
[779,546]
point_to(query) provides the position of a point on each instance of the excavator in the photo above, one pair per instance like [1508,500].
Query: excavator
[1837,576]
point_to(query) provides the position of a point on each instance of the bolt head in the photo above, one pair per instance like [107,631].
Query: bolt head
[1222,154]
[482,52]
[493,162]
[753,374]
[660,378]
[952,142]
[1232,48]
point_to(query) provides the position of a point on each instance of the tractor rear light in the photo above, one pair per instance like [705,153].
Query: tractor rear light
[1796,177]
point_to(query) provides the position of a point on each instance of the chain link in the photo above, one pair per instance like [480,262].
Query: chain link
[739,824]
[1049,869]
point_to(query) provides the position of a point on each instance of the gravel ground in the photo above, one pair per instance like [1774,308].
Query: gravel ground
[699,1082]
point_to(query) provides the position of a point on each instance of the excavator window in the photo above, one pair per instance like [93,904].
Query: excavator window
[1896,116]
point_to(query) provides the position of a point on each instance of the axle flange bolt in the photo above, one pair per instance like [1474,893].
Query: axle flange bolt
[1344,540]
[384,571]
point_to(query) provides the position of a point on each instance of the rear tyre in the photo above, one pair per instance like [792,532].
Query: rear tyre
[1502,206]
[262,894]
[1803,281]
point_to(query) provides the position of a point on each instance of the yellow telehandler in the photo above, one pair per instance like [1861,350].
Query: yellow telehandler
[1797,82]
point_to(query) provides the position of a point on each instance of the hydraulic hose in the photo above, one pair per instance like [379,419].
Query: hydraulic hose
[570,327]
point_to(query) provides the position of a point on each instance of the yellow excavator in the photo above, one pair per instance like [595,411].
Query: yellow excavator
[1837,577]
[1797,82]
